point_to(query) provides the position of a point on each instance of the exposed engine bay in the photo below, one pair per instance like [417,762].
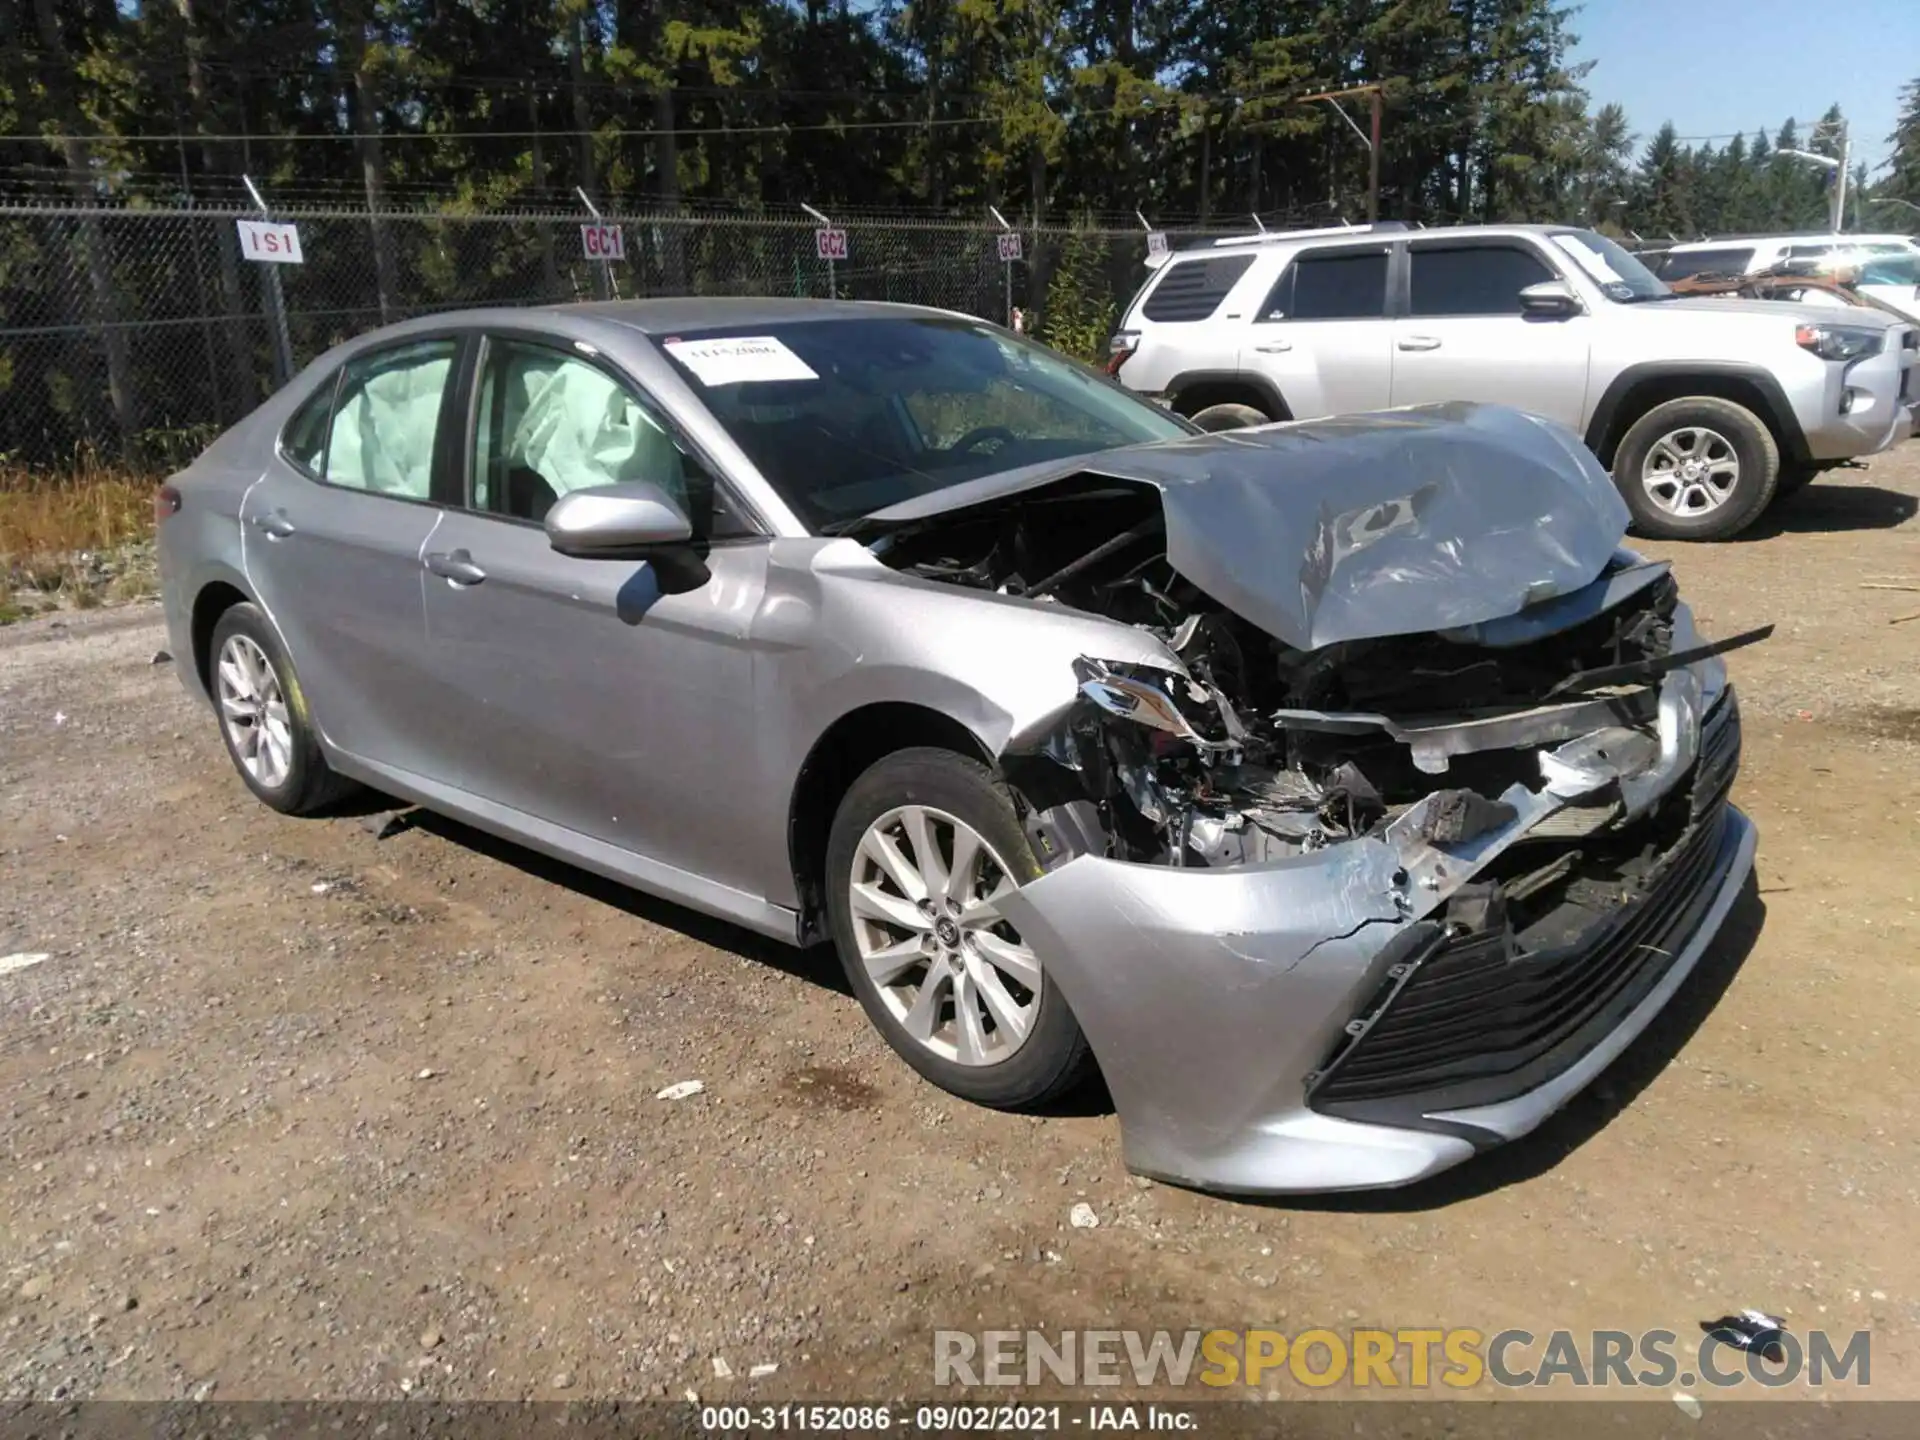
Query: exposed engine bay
[1262,751]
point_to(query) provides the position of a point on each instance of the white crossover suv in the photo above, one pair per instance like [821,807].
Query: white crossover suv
[1703,409]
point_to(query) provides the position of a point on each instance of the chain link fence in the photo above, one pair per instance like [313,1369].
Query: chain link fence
[144,331]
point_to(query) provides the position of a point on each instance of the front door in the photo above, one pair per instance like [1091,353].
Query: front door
[1464,336]
[332,535]
[585,692]
[1322,336]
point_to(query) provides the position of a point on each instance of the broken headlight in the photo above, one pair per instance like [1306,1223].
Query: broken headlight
[1158,699]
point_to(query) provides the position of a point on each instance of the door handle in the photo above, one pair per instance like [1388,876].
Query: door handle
[1420,342]
[276,526]
[455,565]
[1274,347]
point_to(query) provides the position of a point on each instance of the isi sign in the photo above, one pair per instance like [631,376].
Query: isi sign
[270,242]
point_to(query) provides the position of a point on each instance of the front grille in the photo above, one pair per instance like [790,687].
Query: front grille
[1470,1020]
[1719,758]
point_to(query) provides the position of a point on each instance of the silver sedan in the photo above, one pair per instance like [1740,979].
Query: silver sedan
[1343,791]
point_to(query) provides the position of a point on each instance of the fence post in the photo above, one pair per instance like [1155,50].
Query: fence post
[276,299]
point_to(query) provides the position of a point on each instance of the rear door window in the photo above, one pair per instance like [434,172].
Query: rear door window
[1473,279]
[1193,289]
[1346,285]
[386,415]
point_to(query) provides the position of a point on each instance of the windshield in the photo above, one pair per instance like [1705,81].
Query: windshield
[848,416]
[1890,270]
[1619,275]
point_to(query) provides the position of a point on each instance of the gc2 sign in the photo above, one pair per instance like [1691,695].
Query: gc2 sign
[603,242]
[830,244]
[1009,243]
[270,242]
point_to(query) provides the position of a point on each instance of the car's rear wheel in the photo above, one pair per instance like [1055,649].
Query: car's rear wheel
[263,716]
[924,844]
[1699,468]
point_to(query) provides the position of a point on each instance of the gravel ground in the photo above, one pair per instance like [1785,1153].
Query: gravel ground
[294,1111]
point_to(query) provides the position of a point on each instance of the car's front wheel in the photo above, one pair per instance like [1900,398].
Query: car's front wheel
[263,716]
[1698,468]
[923,847]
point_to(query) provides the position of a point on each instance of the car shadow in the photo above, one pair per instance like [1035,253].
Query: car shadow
[1821,508]
[1589,1112]
[818,964]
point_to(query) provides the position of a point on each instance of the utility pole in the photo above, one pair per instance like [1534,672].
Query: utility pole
[1369,137]
[1840,178]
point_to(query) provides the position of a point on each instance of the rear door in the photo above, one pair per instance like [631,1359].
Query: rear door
[332,535]
[1321,337]
[1463,336]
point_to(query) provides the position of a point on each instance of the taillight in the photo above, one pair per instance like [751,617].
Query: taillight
[166,501]
[1120,348]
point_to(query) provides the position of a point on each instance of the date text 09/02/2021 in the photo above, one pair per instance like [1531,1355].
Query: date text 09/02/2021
[941,1419]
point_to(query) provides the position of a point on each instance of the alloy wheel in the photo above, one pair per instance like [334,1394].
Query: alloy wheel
[1690,471]
[924,893]
[254,712]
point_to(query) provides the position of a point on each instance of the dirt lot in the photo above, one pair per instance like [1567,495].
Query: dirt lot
[294,1111]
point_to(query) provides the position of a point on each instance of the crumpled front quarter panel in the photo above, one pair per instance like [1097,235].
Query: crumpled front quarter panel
[839,631]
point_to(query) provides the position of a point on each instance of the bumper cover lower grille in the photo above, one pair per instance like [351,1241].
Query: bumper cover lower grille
[1466,1022]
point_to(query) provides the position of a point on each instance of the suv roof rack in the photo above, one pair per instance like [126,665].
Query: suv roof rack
[1260,237]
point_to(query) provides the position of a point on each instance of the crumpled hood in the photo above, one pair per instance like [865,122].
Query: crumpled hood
[1392,523]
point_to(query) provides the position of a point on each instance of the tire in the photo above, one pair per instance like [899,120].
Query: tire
[986,1062]
[1229,417]
[274,747]
[1739,469]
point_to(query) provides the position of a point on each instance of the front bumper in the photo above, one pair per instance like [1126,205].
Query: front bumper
[1881,394]
[1230,1008]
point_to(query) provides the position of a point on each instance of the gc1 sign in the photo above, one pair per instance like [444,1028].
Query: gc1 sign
[1009,242]
[603,242]
[270,242]
[830,244]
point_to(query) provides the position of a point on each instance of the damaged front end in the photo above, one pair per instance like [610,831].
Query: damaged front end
[1433,879]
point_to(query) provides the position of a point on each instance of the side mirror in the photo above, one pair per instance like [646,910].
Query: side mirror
[1549,300]
[616,522]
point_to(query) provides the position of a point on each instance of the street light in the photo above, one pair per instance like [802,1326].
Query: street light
[1892,200]
[1827,162]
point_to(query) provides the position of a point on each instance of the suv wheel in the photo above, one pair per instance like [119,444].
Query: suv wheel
[1700,468]
[1229,417]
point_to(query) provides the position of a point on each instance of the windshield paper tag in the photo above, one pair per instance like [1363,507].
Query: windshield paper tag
[1589,259]
[739,360]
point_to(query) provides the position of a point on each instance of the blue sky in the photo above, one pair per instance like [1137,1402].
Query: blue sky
[1716,66]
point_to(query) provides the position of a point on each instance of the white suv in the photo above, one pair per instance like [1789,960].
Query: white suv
[1703,409]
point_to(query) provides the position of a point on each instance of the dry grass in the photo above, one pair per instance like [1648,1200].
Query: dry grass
[55,527]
